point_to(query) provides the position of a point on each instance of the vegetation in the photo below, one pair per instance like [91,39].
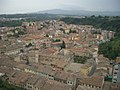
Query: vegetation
[72,31]
[108,78]
[29,45]
[80,59]
[25,18]
[108,23]
[109,49]
[47,35]
[4,85]
[62,30]
[56,40]
[32,17]
[13,23]
[17,32]
[63,45]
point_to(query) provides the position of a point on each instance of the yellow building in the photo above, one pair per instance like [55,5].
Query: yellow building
[86,69]
[118,60]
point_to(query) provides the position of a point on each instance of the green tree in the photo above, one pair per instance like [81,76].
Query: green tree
[47,35]
[63,45]
[4,85]
[80,59]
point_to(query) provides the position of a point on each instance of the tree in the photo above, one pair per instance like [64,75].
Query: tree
[72,31]
[56,40]
[63,45]
[80,59]
[47,35]
[0,37]
[27,62]
[93,16]
[110,49]
[29,45]
[21,51]
[4,85]
[61,29]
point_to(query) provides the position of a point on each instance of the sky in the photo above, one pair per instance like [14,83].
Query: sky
[28,6]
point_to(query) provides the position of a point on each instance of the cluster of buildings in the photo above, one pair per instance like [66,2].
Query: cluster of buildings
[116,71]
[42,57]
[9,19]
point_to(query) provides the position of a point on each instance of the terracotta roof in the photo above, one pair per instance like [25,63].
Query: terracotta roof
[19,78]
[48,51]
[54,85]
[65,75]
[86,66]
[80,88]
[95,81]
[31,37]
[41,82]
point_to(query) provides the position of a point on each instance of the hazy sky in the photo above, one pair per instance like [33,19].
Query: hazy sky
[24,6]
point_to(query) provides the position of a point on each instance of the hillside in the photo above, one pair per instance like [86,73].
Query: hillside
[109,49]
[80,12]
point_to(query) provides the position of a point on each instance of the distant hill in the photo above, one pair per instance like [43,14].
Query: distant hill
[81,12]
